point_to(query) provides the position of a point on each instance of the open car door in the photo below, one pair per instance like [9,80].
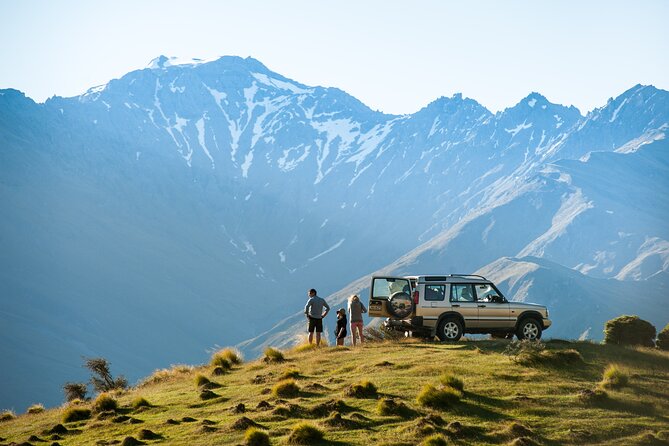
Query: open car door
[390,297]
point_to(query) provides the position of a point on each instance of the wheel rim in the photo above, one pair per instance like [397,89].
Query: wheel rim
[530,331]
[451,330]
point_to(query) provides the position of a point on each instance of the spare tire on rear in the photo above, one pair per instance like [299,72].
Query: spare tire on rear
[400,305]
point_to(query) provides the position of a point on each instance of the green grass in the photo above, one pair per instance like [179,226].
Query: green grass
[273,355]
[105,403]
[36,408]
[453,381]
[286,389]
[614,378]
[557,404]
[438,397]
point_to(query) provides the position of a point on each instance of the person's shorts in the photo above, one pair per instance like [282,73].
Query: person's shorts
[342,336]
[315,324]
[355,324]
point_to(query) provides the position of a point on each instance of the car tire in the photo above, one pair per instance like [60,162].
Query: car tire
[529,329]
[450,329]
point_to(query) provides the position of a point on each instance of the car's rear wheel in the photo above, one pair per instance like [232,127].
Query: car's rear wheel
[450,330]
[529,329]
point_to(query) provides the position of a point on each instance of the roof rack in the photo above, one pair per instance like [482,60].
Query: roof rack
[467,276]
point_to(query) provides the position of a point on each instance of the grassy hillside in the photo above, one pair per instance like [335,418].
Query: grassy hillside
[553,396]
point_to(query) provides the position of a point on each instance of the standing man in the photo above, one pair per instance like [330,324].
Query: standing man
[315,314]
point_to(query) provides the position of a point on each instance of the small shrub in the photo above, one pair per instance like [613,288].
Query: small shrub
[74,413]
[233,356]
[305,347]
[273,355]
[381,334]
[105,402]
[438,398]
[162,375]
[524,352]
[452,381]
[663,338]
[389,407]
[364,389]
[201,380]
[207,394]
[36,408]
[256,437]
[7,415]
[75,391]
[435,440]
[588,396]
[629,330]
[286,389]
[218,371]
[101,377]
[305,433]
[614,378]
[288,374]
[139,402]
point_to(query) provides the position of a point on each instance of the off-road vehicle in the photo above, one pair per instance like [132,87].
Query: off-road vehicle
[448,306]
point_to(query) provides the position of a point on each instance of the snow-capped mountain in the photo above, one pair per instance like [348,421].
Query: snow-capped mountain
[193,203]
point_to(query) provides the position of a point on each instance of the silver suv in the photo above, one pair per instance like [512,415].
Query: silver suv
[448,306]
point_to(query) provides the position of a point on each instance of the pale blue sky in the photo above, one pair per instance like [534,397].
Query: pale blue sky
[396,56]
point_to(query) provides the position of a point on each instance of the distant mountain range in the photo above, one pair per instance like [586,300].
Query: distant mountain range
[189,205]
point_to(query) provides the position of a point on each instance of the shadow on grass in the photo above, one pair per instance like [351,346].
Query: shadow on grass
[465,408]
[490,401]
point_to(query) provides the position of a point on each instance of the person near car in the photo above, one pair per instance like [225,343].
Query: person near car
[340,331]
[355,310]
[315,310]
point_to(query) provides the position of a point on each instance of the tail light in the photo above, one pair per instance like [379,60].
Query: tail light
[415,297]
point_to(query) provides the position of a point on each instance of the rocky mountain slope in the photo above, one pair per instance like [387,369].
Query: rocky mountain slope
[186,205]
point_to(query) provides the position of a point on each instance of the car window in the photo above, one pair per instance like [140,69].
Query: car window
[435,292]
[487,293]
[462,293]
[383,288]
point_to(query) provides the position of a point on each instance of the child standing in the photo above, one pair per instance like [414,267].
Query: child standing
[340,331]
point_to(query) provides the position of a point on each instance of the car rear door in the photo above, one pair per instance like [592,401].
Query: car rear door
[390,297]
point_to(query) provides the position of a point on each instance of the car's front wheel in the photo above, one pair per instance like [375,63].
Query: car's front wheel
[529,329]
[450,329]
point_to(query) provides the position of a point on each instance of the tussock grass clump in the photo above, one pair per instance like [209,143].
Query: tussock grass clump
[162,375]
[324,409]
[533,353]
[515,430]
[36,408]
[453,381]
[389,407]
[305,433]
[7,415]
[438,398]
[245,423]
[218,371]
[201,380]
[207,394]
[232,355]
[435,440]
[588,396]
[140,402]
[614,378]
[338,422]
[304,347]
[146,434]
[131,441]
[286,389]
[72,414]
[255,437]
[289,374]
[105,403]
[523,441]
[273,355]
[364,389]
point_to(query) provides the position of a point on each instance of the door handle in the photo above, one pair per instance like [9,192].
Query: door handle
[481,306]
[455,305]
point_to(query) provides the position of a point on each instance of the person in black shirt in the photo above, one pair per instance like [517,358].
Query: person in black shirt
[340,331]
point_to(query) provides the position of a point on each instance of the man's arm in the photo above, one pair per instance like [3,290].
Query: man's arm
[327,308]
[306,307]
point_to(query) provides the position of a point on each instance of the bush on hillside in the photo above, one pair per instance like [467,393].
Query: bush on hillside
[305,433]
[389,407]
[256,437]
[162,375]
[75,391]
[435,440]
[452,381]
[380,334]
[105,402]
[273,355]
[438,398]
[7,415]
[286,389]
[201,380]
[290,373]
[663,338]
[72,414]
[629,330]
[614,378]
[36,408]
[101,378]
[139,402]
[364,389]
